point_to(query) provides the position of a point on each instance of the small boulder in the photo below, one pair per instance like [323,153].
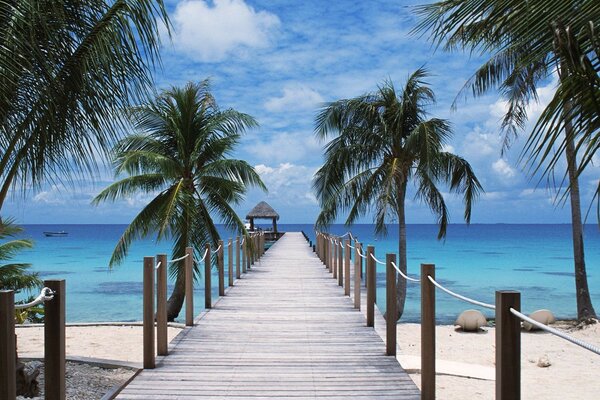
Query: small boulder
[471,320]
[542,316]
[544,362]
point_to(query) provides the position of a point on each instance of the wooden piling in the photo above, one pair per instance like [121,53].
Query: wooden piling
[8,378]
[221,268]
[357,269]
[335,250]
[427,332]
[189,286]
[391,305]
[347,268]
[341,263]
[238,274]
[244,254]
[207,279]
[162,338]
[508,346]
[230,261]
[148,313]
[371,286]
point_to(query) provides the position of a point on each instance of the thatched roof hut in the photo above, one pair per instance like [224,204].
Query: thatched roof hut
[263,211]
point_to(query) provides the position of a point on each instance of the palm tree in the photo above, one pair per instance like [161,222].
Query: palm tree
[14,276]
[179,156]
[67,68]
[528,41]
[384,141]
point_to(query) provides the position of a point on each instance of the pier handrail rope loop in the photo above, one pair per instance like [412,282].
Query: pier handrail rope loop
[158,265]
[178,259]
[362,255]
[461,297]
[556,332]
[376,260]
[217,249]
[46,294]
[408,278]
[204,256]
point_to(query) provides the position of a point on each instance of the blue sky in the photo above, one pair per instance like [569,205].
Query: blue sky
[279,61]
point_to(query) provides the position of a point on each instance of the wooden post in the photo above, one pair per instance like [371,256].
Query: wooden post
[189,286]
[508,346]
[238,274]
[357,268]
[335,251]
[341,263]
[162,338]
[230,261]
[328,253]
[8,377]
[54,338]
[390,307]
[148,312]
[427,332]
[371,286]
[244,254]
[221,267]
[347,268]
[207,279]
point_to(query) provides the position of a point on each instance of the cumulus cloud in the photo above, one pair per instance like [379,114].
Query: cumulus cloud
[296,98]
[211,31]
[288,183]
[284,147]
[502,168]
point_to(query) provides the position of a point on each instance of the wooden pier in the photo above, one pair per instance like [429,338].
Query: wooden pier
[285,330]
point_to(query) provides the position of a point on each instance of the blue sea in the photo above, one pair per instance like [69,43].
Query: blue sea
[473,260]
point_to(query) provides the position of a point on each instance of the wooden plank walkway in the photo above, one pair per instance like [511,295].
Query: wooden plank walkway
[285,330]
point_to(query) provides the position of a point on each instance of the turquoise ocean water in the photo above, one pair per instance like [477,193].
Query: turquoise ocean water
[474,260]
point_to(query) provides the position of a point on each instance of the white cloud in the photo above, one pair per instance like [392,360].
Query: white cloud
[288,183]
[294,98]
[212,31]
[52,196]
[285,147]
[502,168]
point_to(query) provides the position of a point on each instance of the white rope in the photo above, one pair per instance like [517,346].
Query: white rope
[204,256]
[408,278]
[46,294]
[228,244]
[352,247]
[242,242]
[158,265]
[178,259]
[463,298]
[556,332]
[217,249]
[363,256]
[341,244]
[376,260]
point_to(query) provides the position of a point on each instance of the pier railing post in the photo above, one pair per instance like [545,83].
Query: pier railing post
[391,305]
[371,286]
[328,253]
[341,263]
[238,274]
[162,339]
[8,377]
[357,269]
[427,332]
[244,254]
[508,346]
[347,268]
[230,261]
[207,279]
[148,312]
[335,250]
[221,267]
[189,286]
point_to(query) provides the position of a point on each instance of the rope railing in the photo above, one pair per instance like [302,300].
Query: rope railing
[461,297]
[217,249]
[158,265]
[376,260]
[46,294]
[408,278]
[360,254]
[556,332]
[178,259]
[204,256]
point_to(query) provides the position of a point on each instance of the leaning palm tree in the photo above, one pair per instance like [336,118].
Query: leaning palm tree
[529,41]
[383,142]
[180,156]
[67,68]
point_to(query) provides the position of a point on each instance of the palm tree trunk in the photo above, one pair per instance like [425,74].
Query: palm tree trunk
[402,263]
[585,309]
[175,302]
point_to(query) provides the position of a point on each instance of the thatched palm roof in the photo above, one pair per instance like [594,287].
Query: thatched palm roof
[262,210]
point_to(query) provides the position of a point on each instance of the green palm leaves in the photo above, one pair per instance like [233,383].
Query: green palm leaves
[67,68]
[384,141]
[179,157]
[14,276]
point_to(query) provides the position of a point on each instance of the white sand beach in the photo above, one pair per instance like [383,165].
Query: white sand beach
[572,374]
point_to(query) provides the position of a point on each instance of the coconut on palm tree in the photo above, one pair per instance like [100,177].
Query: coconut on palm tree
[528,42]
[383,141]
[179,155]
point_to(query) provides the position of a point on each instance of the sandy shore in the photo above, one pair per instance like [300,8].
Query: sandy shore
[572,374]
[123,343]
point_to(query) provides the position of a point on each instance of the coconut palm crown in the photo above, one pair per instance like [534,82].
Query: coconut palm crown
[383,141]
[180,157]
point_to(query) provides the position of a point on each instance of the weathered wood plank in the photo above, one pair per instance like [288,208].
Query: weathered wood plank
[284,331]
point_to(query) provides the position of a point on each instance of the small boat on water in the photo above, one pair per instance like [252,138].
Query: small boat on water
[56,234]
